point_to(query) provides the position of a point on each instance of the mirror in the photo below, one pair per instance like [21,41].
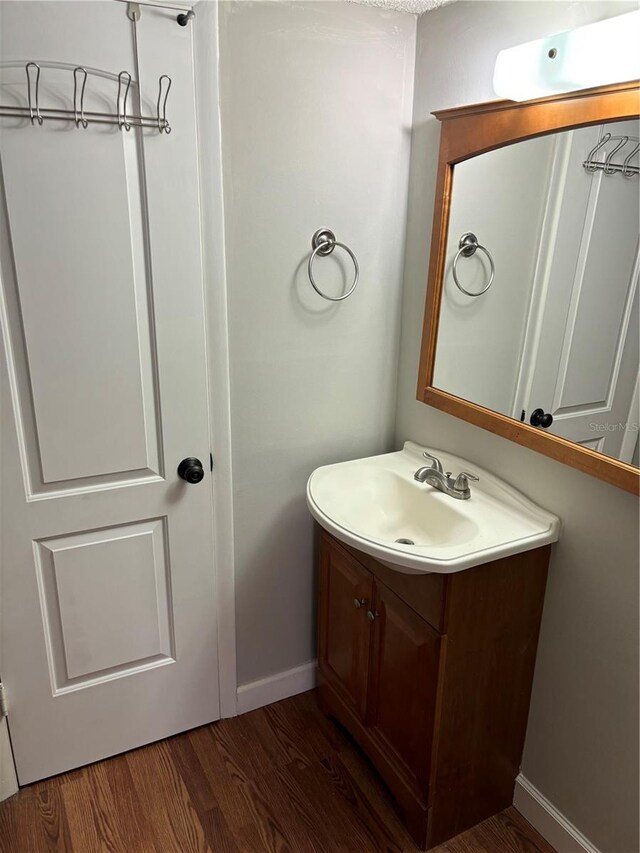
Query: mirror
[532,322]
[557,329]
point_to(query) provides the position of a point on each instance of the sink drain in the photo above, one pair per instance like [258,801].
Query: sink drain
[405,542]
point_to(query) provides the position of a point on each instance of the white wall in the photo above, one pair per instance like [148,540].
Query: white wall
[316,105]
[479,352]
[582,741]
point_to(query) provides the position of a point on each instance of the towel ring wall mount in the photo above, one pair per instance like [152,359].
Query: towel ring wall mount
[467,247]
[323,243]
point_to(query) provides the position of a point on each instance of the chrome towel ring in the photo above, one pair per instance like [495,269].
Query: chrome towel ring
[466,248]
[323,243]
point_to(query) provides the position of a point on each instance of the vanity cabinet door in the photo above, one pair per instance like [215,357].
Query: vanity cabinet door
[346,591]
[402,685]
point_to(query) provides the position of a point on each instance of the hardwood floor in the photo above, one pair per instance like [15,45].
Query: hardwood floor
[280,779]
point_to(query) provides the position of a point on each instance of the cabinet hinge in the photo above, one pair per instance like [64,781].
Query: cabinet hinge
[4,707]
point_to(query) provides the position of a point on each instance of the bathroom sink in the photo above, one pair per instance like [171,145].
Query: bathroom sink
[376,506]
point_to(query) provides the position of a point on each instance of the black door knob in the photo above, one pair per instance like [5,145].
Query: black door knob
[541,418]
[191,470]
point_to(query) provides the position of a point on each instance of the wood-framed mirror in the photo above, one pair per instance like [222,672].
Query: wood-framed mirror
[531,317]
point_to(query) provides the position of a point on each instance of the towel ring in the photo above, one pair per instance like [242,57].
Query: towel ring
[323,243]
[466,248]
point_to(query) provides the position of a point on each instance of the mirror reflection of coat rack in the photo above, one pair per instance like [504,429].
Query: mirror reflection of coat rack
[607,162]
[455,372]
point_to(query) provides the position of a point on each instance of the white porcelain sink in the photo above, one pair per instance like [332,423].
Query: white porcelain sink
[371,503]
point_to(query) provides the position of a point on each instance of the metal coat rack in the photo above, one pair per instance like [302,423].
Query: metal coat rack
[122,117]
[606,164]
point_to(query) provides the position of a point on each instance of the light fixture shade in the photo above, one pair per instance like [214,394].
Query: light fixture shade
[594,55]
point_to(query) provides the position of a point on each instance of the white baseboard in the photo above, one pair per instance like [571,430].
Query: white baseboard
[256,694]
[550,823]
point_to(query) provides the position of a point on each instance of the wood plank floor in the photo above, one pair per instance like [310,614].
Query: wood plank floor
[281,779]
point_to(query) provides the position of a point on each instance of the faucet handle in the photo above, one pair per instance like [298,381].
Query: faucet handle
[462,481]
[437,464]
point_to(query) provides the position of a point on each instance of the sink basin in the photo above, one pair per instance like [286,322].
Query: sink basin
[373,503]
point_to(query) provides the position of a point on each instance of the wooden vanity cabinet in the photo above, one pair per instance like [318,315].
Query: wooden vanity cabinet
[347,590]
[400,706]
[432,675]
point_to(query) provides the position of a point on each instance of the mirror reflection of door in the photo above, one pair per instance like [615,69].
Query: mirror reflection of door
[580,362]
[558,329]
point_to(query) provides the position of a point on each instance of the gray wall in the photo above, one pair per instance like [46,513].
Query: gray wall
[316,109]
[582,741]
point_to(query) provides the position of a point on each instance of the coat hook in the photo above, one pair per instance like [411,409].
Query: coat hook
[184,18]
[609,169]
[34,116]
[161,113]
[78,113]
[627,171]
[589,164]
[124,78]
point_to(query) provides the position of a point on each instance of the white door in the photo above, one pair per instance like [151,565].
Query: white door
[583,369]
[108,616]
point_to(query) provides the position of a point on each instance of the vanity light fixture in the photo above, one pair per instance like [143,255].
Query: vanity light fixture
[594,55]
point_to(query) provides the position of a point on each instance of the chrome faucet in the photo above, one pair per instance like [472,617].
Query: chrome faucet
[433,475]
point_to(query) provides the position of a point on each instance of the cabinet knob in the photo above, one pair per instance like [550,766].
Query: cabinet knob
[359,602]
[371,615]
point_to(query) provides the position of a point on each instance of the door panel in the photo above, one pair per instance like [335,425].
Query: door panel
[108,608]
[102,622]
[403,682]
[344,630]
[82,291]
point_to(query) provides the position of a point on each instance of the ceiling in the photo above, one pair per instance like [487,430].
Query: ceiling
[415,7]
